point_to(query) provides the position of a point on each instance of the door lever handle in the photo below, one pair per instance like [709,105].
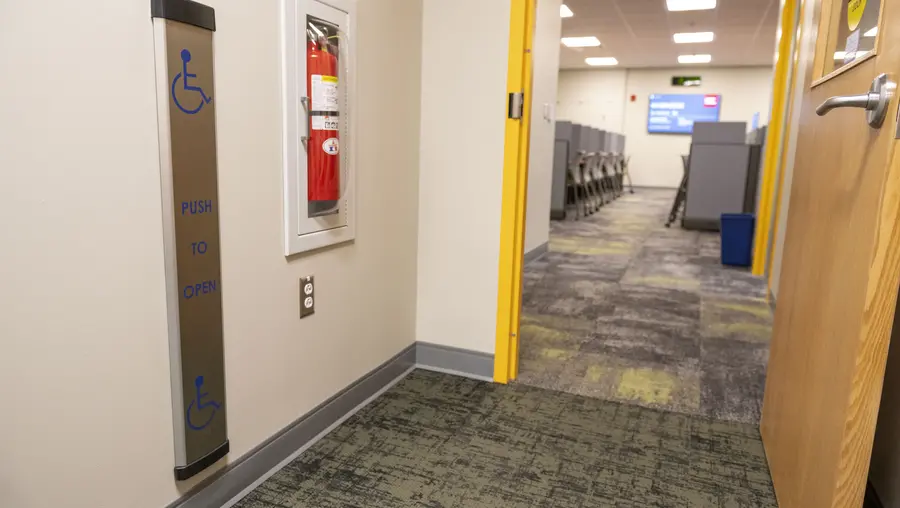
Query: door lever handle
[875,101]
[867,101]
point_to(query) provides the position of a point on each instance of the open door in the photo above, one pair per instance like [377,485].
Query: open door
[515,190]
[841,269]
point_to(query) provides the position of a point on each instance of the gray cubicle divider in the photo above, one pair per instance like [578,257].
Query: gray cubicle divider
[585,138]
[717,133]
[719,163]
[561,156]
[597,136]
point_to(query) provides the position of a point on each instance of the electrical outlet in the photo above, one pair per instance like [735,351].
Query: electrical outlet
[307,296]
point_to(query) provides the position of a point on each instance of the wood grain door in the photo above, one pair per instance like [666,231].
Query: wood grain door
[841,268]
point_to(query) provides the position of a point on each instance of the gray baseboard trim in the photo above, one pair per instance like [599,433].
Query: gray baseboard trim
[451,360]
[557,215]
[537,252]
[238,478]
[227,486]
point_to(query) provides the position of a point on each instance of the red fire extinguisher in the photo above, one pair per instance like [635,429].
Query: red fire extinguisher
[323,148]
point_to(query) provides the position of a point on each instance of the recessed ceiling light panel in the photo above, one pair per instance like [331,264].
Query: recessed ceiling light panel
[565,12]
[694,37]
[694,59]
[580,42]
[690,5]
[601,60]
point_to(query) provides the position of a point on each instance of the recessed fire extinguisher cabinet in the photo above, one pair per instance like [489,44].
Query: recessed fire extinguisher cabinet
[318,94]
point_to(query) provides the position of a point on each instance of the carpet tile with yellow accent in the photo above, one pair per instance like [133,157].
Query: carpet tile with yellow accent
[623,309]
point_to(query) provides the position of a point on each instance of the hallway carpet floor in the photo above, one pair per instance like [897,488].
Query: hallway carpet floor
[623,309]
[440,441]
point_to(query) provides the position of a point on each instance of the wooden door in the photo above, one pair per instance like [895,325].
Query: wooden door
[839,282]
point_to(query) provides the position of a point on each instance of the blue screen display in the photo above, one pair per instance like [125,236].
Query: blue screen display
[676,114]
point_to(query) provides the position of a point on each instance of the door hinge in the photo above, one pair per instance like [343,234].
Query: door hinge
[516,105]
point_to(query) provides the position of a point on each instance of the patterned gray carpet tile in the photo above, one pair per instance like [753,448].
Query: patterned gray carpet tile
[661,322]
[440,441]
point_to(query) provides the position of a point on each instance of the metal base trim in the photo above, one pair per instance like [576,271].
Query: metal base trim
[184,472]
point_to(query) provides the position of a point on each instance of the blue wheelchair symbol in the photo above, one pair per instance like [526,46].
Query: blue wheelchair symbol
[183,77]
[200,405]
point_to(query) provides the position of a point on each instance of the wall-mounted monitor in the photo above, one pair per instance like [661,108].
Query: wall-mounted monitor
[676,114]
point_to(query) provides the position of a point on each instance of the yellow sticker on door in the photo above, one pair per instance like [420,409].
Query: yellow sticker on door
[855,9]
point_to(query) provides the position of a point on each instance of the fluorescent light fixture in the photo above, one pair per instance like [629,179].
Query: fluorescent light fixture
[565,12]
[871,33]
[580,42]
[839,55]
[694,37]
[690,5]
[694,59]
[601,60]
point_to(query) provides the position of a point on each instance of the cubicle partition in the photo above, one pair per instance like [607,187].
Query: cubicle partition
[720,176]
[571,138]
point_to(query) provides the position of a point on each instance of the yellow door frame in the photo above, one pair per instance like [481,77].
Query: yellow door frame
[515,192]
[774,136]
[786,139]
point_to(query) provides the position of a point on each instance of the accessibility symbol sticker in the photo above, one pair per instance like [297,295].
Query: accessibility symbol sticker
[199,97]
[197,408]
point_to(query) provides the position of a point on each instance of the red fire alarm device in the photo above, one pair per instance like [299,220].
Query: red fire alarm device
[633,98]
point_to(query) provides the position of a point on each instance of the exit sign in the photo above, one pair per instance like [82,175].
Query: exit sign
[686,80]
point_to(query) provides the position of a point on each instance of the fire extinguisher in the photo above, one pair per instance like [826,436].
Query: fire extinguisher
[323,148]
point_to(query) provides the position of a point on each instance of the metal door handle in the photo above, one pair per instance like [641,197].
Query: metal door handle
[304,103]
[868,101]
[875,102]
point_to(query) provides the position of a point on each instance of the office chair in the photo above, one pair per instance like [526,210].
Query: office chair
[596,165]
[591,186]
[681,195]
[575,185]
[626,174]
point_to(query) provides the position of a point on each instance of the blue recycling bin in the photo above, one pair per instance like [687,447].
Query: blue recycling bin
[737,238]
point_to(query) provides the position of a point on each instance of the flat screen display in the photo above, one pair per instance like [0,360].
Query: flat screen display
[676,114]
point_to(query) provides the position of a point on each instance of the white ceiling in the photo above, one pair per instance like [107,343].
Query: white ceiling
[639,32]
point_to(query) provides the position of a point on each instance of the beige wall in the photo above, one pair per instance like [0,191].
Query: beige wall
[595,98]
[464,57]
[83,355]
[545,51]
[599,98]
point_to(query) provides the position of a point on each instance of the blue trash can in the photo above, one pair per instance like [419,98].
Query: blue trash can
[737,238]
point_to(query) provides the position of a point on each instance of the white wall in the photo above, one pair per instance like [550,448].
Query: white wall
[464,58]
[545,54]
[595,97]
[87,418]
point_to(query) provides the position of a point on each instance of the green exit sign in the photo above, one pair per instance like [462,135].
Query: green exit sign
[686,80]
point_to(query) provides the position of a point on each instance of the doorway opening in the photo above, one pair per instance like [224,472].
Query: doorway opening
[616,305]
